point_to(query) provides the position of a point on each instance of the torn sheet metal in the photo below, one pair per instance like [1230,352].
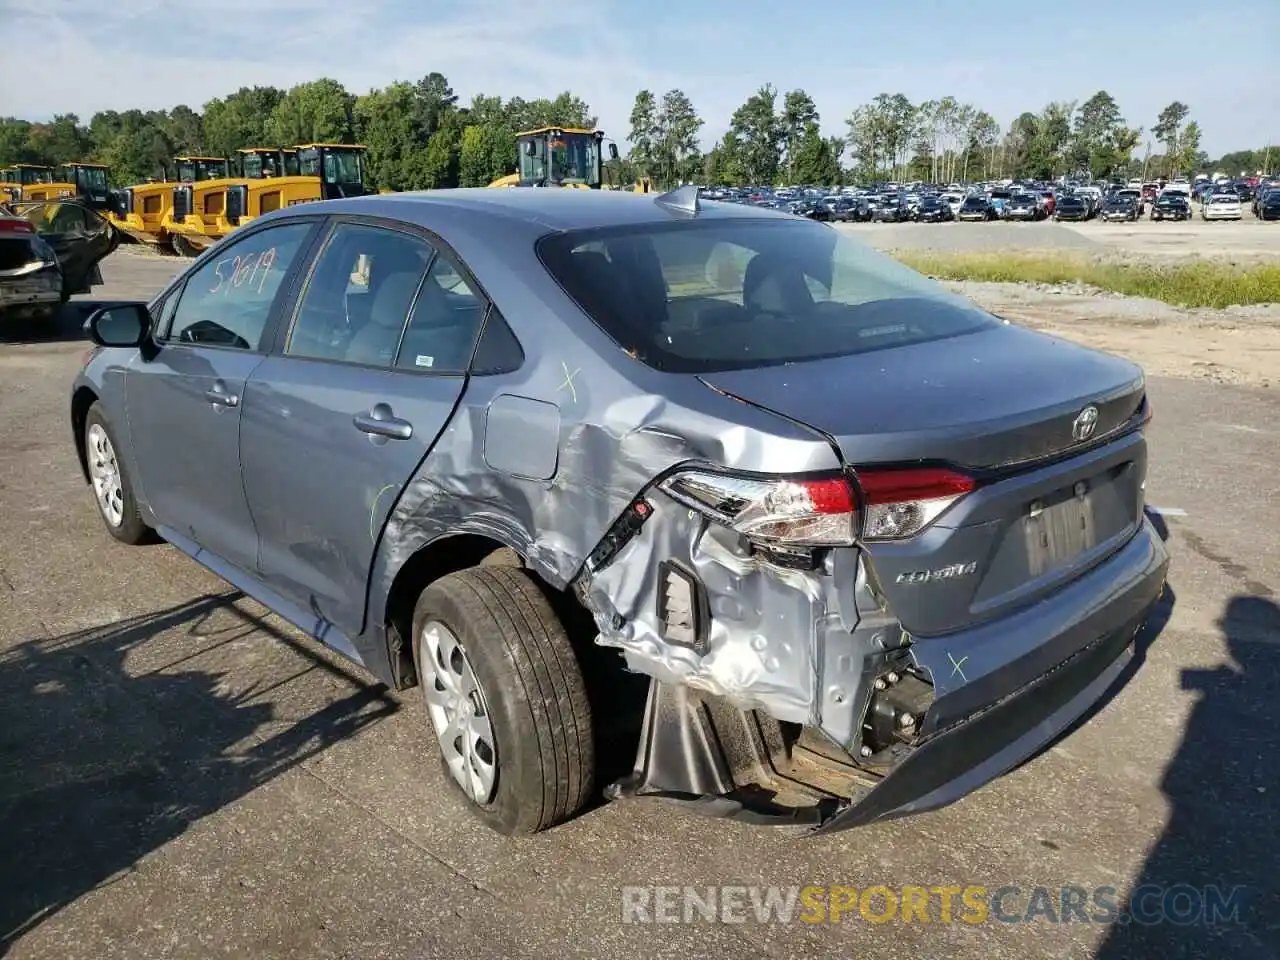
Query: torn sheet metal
[785,641]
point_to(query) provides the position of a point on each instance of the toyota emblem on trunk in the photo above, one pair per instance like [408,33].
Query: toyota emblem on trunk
[1084,424]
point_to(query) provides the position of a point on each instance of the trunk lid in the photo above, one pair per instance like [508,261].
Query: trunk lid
[1002,402]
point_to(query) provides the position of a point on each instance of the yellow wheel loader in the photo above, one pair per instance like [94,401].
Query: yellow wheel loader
[268,179]
[562,157]
[91,182]
[33,181]
[144,211]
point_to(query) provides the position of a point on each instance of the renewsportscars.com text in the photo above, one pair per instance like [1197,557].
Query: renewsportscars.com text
[1181,904]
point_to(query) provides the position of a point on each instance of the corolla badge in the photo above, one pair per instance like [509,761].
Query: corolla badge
[942,573]
[1085,423]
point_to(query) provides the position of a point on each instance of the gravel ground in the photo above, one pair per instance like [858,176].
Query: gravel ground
[971,237]
[1247,239]
[1240,345]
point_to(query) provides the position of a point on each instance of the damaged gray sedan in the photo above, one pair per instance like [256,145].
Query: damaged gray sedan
[864,546]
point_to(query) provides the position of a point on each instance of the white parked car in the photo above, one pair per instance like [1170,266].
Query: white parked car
[1220,206]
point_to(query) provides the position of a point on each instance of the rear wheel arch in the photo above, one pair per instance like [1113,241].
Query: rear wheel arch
[431,562]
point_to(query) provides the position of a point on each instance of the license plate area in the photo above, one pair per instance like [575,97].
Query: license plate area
[1047,537]
[1059,528]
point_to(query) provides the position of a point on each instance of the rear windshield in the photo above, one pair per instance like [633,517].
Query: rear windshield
[697,297]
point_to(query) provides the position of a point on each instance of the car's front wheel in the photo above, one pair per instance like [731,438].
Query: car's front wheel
[112,488]
[505,697]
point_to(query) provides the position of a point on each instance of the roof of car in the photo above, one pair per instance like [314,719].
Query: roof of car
[553,208]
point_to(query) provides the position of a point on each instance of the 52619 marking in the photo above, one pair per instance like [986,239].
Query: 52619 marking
[242,270]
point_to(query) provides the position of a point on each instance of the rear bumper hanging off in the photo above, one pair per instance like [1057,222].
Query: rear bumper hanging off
[704,753]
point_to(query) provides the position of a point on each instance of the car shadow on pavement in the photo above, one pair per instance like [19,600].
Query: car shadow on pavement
[1210,886]
[105,755]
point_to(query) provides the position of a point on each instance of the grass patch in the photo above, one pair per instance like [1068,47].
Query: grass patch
[1185,284]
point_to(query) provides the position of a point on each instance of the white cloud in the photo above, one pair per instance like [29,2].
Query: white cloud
[152,54]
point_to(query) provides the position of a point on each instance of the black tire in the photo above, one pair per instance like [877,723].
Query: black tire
[131,529]
[532,687]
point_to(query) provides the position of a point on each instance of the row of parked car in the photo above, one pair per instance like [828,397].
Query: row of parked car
[1174,200]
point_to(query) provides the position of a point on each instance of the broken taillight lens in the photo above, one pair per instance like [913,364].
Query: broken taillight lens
[899,503]
[820,512]
[895,503]
[793,511]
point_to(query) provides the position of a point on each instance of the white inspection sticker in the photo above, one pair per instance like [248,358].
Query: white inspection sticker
[422,360]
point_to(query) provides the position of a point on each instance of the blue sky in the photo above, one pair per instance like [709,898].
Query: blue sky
[1219,57]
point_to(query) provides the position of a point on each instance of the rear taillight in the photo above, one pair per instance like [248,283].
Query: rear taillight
[885,504]
[794,511]
[899,503]
[16,226]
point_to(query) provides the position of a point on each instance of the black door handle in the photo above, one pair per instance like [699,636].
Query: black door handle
[381,421]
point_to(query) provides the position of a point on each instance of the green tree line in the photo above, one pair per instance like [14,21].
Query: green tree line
[775,138]
[420,136]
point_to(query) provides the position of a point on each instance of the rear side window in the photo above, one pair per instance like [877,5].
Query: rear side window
[446,317]
[696,297]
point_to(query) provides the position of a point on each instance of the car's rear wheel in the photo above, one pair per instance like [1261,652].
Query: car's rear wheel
[112,488]
[505,697]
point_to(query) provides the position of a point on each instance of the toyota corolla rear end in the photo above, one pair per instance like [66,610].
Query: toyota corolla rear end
[998,507]
[884,636]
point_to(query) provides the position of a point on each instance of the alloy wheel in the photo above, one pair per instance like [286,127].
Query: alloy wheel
[458,712]
[104,471]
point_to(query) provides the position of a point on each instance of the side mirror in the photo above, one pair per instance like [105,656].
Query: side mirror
[613,151]
[123,325]
[531,147]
